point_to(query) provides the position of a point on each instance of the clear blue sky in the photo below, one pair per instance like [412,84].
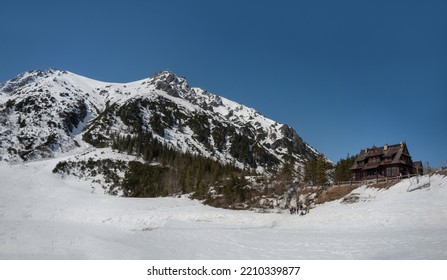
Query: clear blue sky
[344,74]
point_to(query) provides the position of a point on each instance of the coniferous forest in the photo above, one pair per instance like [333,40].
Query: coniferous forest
[163,171]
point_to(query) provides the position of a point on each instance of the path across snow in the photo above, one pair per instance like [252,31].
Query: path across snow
[44,216]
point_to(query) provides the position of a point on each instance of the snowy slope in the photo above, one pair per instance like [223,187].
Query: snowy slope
[44,216]
[46,110]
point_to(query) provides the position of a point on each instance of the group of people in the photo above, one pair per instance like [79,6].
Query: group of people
[302,212]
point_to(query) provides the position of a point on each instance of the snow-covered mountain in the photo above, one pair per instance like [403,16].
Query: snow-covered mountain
[100,132]
[44,113]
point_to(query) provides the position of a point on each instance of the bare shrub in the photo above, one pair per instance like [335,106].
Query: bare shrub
[334,193]
[383,185]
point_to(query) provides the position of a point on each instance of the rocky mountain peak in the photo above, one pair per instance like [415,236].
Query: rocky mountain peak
[170,83]
[27,78]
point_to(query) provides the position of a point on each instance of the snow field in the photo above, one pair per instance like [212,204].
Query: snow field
[44,216]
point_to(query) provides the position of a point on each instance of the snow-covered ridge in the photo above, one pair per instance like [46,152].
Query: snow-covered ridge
[42,112]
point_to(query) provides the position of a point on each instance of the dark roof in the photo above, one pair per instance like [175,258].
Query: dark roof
[417,164]
[393,151]
[371,165]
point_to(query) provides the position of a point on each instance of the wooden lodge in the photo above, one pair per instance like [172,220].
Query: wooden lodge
[383,162]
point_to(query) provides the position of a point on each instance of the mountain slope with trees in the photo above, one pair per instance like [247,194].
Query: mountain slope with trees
[180,139]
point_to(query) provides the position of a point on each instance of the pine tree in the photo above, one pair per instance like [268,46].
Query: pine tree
[342,171]
[309,171]
[316,171]
[321,177]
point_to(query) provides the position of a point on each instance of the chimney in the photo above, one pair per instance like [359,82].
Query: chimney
[366,150]
[385,147]
[402,144]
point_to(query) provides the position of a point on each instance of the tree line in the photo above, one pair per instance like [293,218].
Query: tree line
[320,172]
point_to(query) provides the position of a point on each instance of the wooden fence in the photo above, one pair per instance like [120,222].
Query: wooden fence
[375,180]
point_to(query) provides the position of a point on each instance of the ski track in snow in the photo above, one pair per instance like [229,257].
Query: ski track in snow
[44,216]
